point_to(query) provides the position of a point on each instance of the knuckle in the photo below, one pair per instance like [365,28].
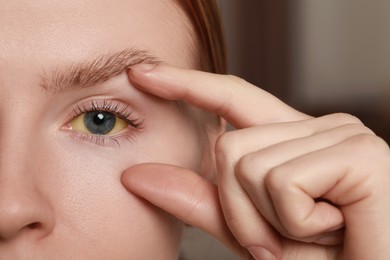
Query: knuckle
[369,144]
[227,144]
[227,151]
[276,181]
[296,229]
[280,186]
[252,169]
[245,167]
[238,82]
[354,129]
[346,118]
[236,79]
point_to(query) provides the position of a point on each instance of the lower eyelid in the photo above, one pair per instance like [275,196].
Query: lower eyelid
[126,135]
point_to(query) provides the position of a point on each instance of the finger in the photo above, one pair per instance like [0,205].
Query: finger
[232,146]
[236,100]
[252,169]
[185,195]
[244,220]
[252,139]
[327,173]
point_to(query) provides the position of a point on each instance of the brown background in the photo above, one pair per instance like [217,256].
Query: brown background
[319,56]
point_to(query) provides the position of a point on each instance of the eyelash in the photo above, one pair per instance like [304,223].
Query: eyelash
[118,109]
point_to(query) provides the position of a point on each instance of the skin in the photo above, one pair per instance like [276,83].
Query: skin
[60,195]
[289,186]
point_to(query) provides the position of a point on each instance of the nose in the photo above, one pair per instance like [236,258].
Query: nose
[25,202]
[24,206]
[23,211]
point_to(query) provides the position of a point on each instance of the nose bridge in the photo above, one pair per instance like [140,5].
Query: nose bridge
[16,148]
[15,145]
[18,108]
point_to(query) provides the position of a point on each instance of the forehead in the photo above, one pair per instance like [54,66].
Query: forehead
[55,32]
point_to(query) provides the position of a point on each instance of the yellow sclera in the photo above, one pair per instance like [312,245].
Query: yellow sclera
[79,125]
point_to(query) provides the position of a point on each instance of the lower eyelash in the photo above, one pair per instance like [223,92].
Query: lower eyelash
[96,139]
[102,140]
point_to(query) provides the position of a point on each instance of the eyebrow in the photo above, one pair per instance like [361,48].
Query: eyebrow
[89,73]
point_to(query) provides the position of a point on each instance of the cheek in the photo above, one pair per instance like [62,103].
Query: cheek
[93,210]
[83,183]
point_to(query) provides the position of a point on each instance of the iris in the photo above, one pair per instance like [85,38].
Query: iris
[99,122]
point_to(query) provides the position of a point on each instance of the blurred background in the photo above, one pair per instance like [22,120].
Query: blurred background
[319,56]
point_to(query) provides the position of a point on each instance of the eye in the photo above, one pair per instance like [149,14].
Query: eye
[98,123]
[104,122]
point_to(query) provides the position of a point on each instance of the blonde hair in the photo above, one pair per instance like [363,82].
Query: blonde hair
[206,19]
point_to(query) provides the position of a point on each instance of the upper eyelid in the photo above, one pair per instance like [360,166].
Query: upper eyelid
[117,107]
[107,105]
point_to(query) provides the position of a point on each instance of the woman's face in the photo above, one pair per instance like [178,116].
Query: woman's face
[62,150]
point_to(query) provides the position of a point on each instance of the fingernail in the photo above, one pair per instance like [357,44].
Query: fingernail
[260,253]
[143,67]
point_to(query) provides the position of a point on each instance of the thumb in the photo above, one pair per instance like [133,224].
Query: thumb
[184,194]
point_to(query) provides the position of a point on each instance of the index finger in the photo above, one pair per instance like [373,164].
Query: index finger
[239,102]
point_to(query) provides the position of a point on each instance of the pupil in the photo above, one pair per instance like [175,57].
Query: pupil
[99,122]
[99,119]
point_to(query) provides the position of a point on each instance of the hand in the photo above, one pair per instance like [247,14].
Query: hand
[304,177]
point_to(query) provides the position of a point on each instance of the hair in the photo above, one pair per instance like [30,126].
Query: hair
[206,19]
